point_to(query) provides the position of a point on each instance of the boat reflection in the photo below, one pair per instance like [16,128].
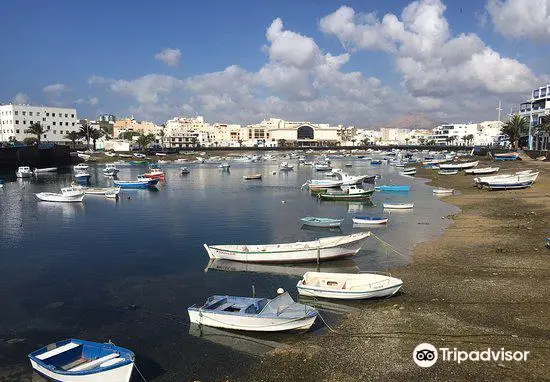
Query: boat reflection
[66,209]
[370,226]
[248,343]
[332,306]
[338,266]
[321,229]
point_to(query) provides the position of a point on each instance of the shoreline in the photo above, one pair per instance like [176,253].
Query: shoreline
[482,283]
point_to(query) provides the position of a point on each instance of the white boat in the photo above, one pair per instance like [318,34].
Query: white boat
[161,161]
[110,154]
[285,166]
[447,172]
[95,190]
[348,180]
[323,183]
[370,220]
[253,314]
[82,176]
[224,166]
[347,286]
[325,248]
[44,170]
[83,156]
[458,166]
[322,167]
[81,166]
[83,361]
[160,154]
[521,176]
[24,172]
[110,170]
[443,191]
[63,197]
[483,170]
[184,171]
[334,172]
[398,206]
[139,155]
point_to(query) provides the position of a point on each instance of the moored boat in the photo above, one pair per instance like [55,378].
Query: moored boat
[81,166]
[438,191]
[346,286]
[447,172]
[252,177]
[398,206]
[138,183]
[325,248]
[96,190]
[64,197]
[24,172]
[376,161]
[84,361]
[350,193]
[284,166]
[506,156]
[281,313]
[458,166]
[392,188]
[154,173]
[369,220]
[322,167]
[110,170]
[321,222]
[184,171]
[483,170]
[82,176]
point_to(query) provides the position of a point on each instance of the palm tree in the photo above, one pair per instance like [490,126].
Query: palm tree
[95,134]
[73,136]
[543,129]
[421,140]
[407,141]
[36,129]
[470,138]
[145,140]
[161,135]
[514,129]
[85,130]
[465,139]
[365,141]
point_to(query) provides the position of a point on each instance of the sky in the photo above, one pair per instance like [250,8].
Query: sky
[362,63]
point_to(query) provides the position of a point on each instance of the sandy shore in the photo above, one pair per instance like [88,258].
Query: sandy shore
[484,283]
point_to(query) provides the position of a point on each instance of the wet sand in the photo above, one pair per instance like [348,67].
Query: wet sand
[484,283]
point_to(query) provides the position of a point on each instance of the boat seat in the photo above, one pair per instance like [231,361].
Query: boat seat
[94,363]
[58,350]
[112,362]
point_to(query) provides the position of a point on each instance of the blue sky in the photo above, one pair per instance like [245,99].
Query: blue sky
[358,62]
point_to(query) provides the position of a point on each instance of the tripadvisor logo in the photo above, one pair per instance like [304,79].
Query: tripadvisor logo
[426,355]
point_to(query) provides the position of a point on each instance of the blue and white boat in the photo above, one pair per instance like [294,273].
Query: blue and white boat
[390,188]
[376,161]
[509,185]
[506,156]
[369,220]
[138,183]
[253,314]
[321,222]
[82,176]
[83,361]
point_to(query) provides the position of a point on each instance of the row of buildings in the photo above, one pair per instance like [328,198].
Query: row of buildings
[185,132]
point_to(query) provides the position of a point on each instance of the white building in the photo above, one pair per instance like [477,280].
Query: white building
[275,131]
[536,107]
[486,133]
[56,121]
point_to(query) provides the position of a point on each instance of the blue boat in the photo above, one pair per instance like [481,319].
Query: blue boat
[369,220]
[506,156]
[86,361]
[390,188]
[376,161]
[139,183]
[321,222]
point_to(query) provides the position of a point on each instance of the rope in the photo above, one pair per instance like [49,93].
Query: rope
[142,377]
[390,246]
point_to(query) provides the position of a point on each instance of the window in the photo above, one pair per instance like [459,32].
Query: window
[30,112]
[66,123]
[44,135]
[53,114]
[17,131]
[72,115]
[17,122]
[38,114]
[53,123]
[66,115]
[73,123]
[55,132]
[16,112]
[24,113]
[43,119]
[47,114]
[31,122]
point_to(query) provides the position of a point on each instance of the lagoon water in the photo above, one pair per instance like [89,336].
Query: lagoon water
[127,270]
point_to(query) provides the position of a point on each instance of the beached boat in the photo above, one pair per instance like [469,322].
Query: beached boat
[138,183]
[325,248]
[392,188]
[139,155]
[321,222]
[458,166]
[252,177]
[253,314]
[509,184]
[485,179]
[447,172]
[408,171]
[110,154]
[483,170]
[67,196]
[547,240]
[83,361]
[83,156]
[346,286]
[369,220]
[440,191]
[351,193]
[159,154]
[398,206]
[154,173]
[23,172]
[348,165]
[80,166]
[506,156]
[504,179]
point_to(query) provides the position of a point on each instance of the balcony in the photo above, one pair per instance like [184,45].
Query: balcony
[536,94]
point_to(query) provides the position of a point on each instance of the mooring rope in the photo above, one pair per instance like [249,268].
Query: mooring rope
[390,246]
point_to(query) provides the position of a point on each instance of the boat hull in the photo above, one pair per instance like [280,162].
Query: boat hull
[311,291]
[256,324]
[50,197]
[120,374]
[322,223]
[398,206]
[369,221]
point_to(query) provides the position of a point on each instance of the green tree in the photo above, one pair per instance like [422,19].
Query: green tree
[161,135]
[95,134]
[30,141]
[145,140]
[85,130]
[470,138]
[465,139]
[37,130]
[365,141]
[421,140]
[128,135]
[407,141]
[514,129]
[542,129]
[73,136]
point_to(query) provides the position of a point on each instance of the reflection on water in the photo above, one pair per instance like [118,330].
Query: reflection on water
[128,270]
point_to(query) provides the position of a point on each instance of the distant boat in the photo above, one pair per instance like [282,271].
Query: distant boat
[369,220]
[96,190]
[82,176]
[138,162]
[325,248]
[408,171]
[284,166]
[376,161]
[398,206]
[322,167]
[321,222]
[391,188]
[447,172]
[84,361]
[352,193]
[110,170]
[154,173]
[443,191]
[252,177]
[484,170]
[184,171]
[84,156]
[253,314]
[458,166]
[110,154]
[348,286]
[24,172]
[224,166]
[160,154]
[81,166]
[506,156]
[44,170]
[139,183]
[139,155]
[348,165]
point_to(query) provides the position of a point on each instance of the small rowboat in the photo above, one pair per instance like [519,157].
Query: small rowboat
[369,220]
[356,195]
[94,190]
[506,156]
[439,191]
[391,188]
[484,170]
[253,314]
[44,170]
[184,171]
[139,183]
[252,177]
[321,222]
[346,286]
[154,173]
[84,361]
[62,198]
[325,248]
[398,206]
[447,172]
[458,166]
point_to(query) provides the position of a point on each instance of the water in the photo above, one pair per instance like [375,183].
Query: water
[127,270]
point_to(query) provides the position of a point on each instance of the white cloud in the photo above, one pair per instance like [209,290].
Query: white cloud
[97,80]
[21,98]
[147,89]
[91,101]
[521,19]
[56,89]
[169,56]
